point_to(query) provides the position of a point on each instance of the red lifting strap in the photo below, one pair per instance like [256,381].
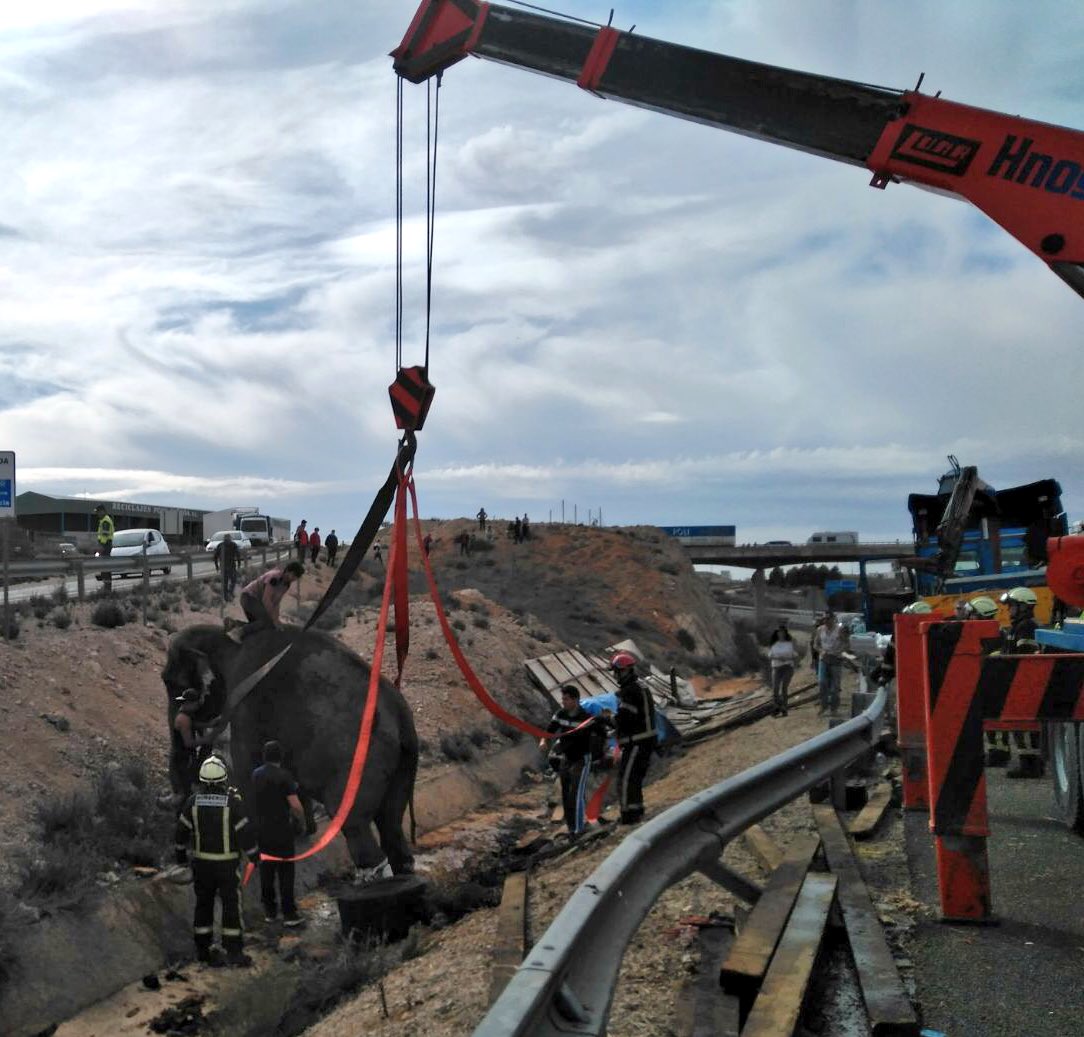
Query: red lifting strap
[411,394]
[598,59]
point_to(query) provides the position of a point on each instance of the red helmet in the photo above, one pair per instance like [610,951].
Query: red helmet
[623,661]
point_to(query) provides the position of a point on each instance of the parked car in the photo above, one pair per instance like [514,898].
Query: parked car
[130,542]
[236,536]
[778,543]
[67,550]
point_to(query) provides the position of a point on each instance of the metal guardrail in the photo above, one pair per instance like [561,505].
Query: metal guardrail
[79,566]
[566,984]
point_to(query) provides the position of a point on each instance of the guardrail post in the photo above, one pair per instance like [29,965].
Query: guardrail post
[146,583]
[188,564]
[952,655]
[80,580]
[911,710]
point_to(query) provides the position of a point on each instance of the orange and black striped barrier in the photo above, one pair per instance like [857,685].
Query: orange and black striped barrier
[967,686]
[911,709]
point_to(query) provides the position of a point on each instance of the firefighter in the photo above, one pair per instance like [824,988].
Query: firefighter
[1019,639]
[917,608]
[214,823]
[635,724]
[998,749]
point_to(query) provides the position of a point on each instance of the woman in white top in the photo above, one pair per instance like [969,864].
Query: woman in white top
[783,656]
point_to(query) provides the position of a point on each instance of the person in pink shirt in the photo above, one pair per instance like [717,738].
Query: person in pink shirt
[261,598]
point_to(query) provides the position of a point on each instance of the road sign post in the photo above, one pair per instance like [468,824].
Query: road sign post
[7,516]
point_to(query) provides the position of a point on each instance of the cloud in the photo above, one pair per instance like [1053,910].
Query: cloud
[197,272]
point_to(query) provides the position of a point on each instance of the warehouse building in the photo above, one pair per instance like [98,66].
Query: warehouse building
[72,518]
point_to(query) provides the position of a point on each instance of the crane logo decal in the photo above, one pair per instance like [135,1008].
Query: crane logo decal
[935,149]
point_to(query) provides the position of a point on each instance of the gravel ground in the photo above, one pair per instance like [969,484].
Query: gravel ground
[444,990]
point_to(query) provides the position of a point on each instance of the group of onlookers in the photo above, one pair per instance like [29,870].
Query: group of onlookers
[308,544]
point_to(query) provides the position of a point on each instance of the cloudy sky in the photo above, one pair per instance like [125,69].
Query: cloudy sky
[631,312]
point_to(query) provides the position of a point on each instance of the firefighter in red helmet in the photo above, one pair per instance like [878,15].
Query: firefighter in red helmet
[635,724]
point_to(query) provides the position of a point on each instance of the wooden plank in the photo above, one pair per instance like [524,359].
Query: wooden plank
[779,1004]
[887,1005]
[747,963]
[865,824]
[763,847]
[510,944]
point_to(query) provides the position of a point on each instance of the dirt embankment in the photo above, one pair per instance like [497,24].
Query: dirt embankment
[79,700]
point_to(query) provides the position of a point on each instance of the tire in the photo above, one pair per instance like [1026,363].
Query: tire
[1066,752]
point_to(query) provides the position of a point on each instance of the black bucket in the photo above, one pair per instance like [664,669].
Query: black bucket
[383,910]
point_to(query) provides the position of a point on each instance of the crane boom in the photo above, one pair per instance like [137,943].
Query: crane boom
[1027,176]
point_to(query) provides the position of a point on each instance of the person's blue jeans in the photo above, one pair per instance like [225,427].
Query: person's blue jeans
[829,674]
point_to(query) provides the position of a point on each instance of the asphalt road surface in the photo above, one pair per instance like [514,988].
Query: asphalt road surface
[1023,977]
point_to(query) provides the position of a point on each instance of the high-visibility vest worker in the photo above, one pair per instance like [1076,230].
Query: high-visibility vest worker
[214,823]
[105,527]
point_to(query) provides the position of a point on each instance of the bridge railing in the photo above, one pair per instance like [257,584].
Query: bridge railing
[566,984]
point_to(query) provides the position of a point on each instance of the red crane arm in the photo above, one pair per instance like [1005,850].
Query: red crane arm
[1025,175]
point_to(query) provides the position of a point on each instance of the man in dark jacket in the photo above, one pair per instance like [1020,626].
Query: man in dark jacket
[274,798]
[227,558]
[575,728]
[213,822]
[186,742]
[332,545]
[635,723]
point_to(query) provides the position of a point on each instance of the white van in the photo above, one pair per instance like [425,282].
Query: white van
[846,537]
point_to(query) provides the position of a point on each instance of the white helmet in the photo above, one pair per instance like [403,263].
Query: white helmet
[1020,596]
[917,608]
[982,608]
[212,771]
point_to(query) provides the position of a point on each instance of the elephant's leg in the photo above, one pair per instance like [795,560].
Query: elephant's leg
[389,819]
[365,851]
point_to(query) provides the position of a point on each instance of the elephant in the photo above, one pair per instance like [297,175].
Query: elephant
[311,702]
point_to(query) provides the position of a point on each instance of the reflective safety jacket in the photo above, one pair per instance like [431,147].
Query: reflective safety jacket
[635,719]
[1020,637]
[213,822]
[105,530]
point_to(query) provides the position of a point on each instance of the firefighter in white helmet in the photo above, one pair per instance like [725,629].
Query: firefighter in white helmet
[1019,639]
[213,822]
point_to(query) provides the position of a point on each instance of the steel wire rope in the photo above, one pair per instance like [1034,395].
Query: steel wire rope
[432,100]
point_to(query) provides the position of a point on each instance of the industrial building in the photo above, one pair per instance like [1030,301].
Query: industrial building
[72,518]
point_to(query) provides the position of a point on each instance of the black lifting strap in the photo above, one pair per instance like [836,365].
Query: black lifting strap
[365,536]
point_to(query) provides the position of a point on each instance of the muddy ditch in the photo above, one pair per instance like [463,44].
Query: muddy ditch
[58,962]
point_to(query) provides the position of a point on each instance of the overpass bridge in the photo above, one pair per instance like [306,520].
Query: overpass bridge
[767,556]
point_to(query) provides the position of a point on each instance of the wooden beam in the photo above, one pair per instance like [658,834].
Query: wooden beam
[865,824]
[887,1004]
[763,847]
[732,881]
[747,963]
[779,1004]
[510,943]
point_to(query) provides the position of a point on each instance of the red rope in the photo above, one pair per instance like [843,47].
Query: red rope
[361,749]
[469,675]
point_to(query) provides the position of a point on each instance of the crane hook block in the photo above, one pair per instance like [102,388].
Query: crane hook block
[411,394]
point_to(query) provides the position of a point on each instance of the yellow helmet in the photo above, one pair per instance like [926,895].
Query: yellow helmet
[982,608]
[1020,596]
[917,608]
[212,771]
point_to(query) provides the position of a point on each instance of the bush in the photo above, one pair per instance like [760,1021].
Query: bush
[8,957]
[481,545]
[481,622]
[456,747]
[108,614]
[63,818]
[633,624]
[61,619]
[458,624]
[13,628]
[432,653]
[60,594]
[55,874]
[686,640]
[669,568]
[478,736]
[40,606]
[539,635]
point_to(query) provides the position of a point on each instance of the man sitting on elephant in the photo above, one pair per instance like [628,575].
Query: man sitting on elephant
[261,598]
